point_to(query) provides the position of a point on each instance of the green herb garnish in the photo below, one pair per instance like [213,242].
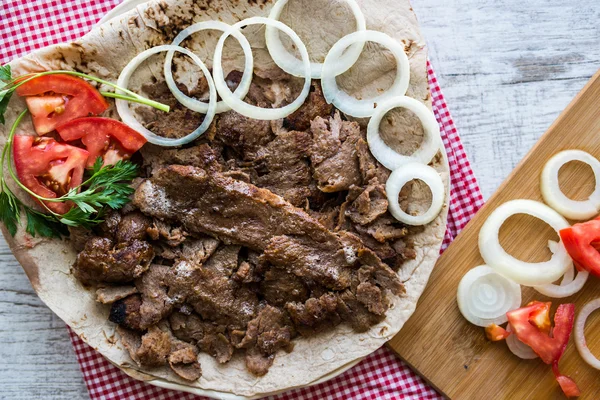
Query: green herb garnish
[106,188]
[8,86]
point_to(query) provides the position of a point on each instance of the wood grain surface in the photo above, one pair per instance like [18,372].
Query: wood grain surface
[507,69]
[461,360]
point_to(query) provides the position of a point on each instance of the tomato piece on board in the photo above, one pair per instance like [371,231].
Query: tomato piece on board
[49,168]
[496,333]
[56,99]
[541,316]
[105,137]
[568,385]
[581,241]
[549,349]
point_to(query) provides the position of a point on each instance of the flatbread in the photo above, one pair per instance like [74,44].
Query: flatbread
[106,50]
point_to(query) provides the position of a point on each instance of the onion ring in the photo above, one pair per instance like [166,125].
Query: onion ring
[567,287]
[385,154]
[366,107]
[524,273]
[484,296]
[240,91]
[401,177]
[580,341]
[239,105]
[290,64]
[555,198]
[519,348]
[128,117]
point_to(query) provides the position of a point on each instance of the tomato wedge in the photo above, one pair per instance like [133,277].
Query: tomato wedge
[568,385]
[49,168]
[549,349]
[496,333]
[541,316]
[103,137]
[581,241]
[56,99]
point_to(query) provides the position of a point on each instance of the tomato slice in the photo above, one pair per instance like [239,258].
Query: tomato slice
[568,385]
[105,137]
[496,333]
[541,316]
[49,168]
[581,241]
[549,349]
[56,99]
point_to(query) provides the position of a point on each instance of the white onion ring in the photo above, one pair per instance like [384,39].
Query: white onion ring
[519,348]
[239,105]
[290,64]
[401,177]
[484,296]
[385,154]
[128,117]
[555,198]
[240,91]
[580,341]
[567,287]
[366,107]
[524,273]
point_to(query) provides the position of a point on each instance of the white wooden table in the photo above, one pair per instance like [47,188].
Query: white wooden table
[507,69]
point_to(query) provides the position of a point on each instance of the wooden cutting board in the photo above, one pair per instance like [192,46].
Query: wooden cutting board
[453,355]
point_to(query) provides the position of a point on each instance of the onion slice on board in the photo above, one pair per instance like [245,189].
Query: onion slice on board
[567,287]
[580,341]
[385,154]
[524,273]
[365,107]
[238,104]
[519,348]
[128,117]
[555,198]
[484,296]
[401,177]
[293,66]
[240,91]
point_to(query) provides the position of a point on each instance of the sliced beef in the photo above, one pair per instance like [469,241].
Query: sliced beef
[102,261]
[156,302]
[202,156]
[224,261]
[384,229]
[375,271]
[212,295]
[108,227]
[132,227]
[369,204]
[155,348]
[314,106]
[237,212]
[315,315]
[287,172]
[209,337]
[310,259]
[280,287]
[126,312]
[369,167]
[336,170]
[356,313]
[173,236]
[110,294]
[184,362]
[370,296]
[257,363]
[177,123]
[242,134]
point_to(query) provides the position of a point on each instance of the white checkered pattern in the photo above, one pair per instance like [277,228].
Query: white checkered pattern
[26,25]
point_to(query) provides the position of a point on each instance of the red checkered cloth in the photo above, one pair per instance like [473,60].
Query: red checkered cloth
[26,25]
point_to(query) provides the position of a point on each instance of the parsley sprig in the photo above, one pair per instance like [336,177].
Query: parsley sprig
[8,85]
[106,188]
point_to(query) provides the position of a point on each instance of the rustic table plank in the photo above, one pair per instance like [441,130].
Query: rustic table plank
[507,69]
